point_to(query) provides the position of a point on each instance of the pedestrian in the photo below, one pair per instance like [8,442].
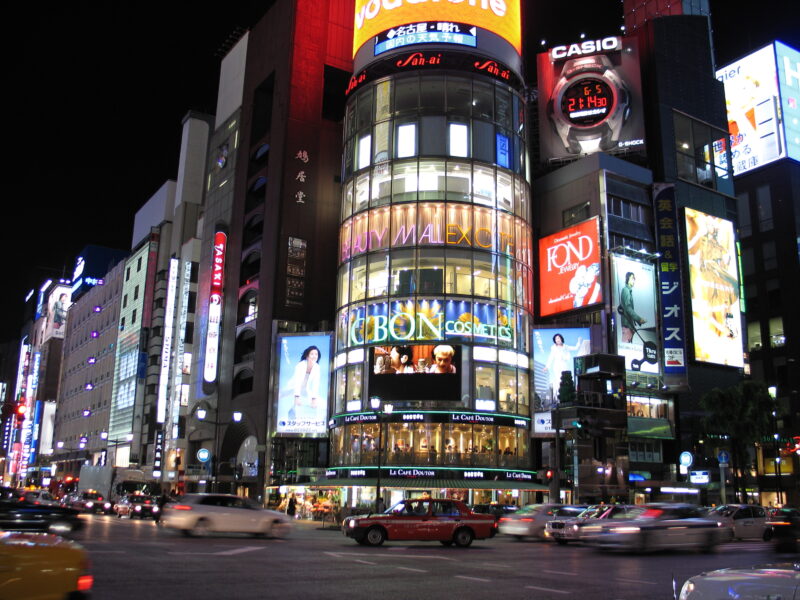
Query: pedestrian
[291,506]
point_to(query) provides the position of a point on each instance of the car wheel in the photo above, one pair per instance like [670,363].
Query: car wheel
[768,533]
[463,537]
[375,536]
[446,542]
[201,528]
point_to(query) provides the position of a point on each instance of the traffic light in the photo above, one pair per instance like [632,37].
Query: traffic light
[548,474]
[22,409]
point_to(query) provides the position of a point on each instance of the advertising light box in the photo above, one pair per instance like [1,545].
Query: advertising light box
[761,92]
[303,376]
[553,352]
[58,304]
[633,289]
[429,372]
[714,283]
[569,268]
[375,19]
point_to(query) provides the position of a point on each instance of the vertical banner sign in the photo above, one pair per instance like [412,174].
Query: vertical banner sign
[670,289]
[296,272]
[215,307]
[166,345]
[158,453]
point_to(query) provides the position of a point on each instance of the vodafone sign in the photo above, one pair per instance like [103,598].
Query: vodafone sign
[501,17]
[569,268]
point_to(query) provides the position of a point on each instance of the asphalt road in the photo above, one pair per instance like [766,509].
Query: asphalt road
[137,560]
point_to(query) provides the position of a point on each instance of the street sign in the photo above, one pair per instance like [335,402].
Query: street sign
[723,457]
[686,459]
[699,477]
[203,455]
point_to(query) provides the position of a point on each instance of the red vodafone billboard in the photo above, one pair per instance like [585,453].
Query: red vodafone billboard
[569,269]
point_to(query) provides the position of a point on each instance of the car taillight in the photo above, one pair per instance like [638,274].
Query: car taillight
[504,519]
[85,583]
[527,519]
[182,507]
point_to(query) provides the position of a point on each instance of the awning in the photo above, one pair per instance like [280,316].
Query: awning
[427,484]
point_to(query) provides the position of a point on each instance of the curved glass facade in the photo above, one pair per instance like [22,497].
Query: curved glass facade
[434,279]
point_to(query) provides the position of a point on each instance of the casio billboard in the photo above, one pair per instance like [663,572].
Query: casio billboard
[588,47]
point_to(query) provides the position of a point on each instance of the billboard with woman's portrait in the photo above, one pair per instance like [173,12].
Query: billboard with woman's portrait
[303,382]
[58,304]
[553,352]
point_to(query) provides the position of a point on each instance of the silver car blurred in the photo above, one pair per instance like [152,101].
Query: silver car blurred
[768,581]
[530,520]
[565,530]
[660,526]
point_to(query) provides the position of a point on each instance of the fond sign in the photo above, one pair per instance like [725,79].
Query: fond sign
[501,17]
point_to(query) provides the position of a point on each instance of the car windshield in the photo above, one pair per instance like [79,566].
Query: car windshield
[593,512]
[140,500]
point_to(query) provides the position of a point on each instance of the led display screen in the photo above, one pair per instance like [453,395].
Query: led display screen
[374,17]
[633,288]
[761,92]
[714,282]
[303,375]
[553,352]
[430,372]
[569,268]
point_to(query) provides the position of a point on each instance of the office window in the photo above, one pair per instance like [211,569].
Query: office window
[754,336]
[364,149]
[575,214]
[764,208]
[776,337]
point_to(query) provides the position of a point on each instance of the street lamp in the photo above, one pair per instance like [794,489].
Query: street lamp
[375,404]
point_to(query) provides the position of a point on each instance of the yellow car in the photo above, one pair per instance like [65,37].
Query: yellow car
[41,566]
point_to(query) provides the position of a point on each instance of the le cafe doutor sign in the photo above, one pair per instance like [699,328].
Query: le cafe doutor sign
[436,417]
[422,473]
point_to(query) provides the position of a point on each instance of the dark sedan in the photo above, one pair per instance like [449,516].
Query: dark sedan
[24,516]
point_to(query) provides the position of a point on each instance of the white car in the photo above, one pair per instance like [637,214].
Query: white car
[743,520]
[661,526]
[564,530]
[42,497]
[202,514]
[756,583]
[530,520]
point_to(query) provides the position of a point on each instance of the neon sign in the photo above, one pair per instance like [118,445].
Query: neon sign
[166,348]
[215,307]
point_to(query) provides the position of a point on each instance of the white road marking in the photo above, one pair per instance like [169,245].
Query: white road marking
[544,589]
[410,569]
[106,551]
[636,581]
[365,562]
[560,573]
[473,578]
[380,555]
[239,550]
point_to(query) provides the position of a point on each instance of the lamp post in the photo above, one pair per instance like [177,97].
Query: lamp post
[773,392]
[375,404]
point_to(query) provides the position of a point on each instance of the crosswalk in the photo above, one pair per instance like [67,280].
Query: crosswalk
[746,547]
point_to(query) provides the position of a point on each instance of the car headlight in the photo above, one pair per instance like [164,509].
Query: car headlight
[624,529]
[687,589]
[155,509]
[351,523]
[575,528]
[89,504]
[138,508]
[107,505]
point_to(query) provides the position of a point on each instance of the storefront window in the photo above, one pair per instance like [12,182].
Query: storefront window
[431,179]
[458,139]
[430,274]
[505,279]
[485,388]
[343,285]
[403,274]
[459,223]
[507,446]
[340,392]
[369,444]
[353,450]
[406,140]
[404,225]
[483,185]
[508,389]
[359,273]
[378,274]
[362,192]
[404,182]
[459,272]
[381,186]
[523,400]
[505,233]
[458,181]
[484,273]
[484,445]
[338,453]
[430,223]
[354,382]
[347,200]
[379,223]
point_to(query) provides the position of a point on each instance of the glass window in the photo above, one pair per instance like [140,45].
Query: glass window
[483,185]
[768,255]
[776,336]
[459,272]
[360,239]
[364,149]
[764,208]
[458,181]
[483,141]
[378,275]
[743,214]
[483,274]
[381,147]
[483,440]
[505,279]
[403,281]
[342,329]
[483,101]
[406,140]
[354,382]
[383,100]
[459,96]
[362,192]
[575,214]
[505,191]
[502,107]
[340,400]
[508,389]
[338,450]
[432,94]
[504,240]
[347,200]
[359,274]
[433,136]
[379,222]
[404,225]
[406,94]
[343,287]
[381,185]
[523,402]
[364,111]
[404,182]
[458,139]
[459,225]
[431,180]
[484,227]
[345,238]
[353,451]
[430,272]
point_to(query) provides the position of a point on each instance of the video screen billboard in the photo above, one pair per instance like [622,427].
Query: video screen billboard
[303,383]
[553,353]
[569,269]
[373,17]
[633,291]
[590,98]
[714,283]
[430,372]
[58,304]
[753,104]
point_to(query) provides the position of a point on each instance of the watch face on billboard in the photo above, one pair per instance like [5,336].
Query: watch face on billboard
[553,352]
[590,99]
[429,372]
[633,287]
[303,375]
[714,282]
[569,269]
[377,19]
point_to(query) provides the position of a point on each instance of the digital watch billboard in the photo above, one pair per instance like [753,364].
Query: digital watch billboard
[761,94]
[553,352]
[633,291]
[569,269]
[303,383]
[714,283]
[590,98]
[430,372]
[384,21]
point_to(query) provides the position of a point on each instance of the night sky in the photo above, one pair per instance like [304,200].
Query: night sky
[98,91]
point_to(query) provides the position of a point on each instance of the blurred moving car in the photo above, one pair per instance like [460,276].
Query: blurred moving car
[742,520]
[497,510]
[38,497]
[661,526]
[565,530]
[784,529]
[9,493]
[43,566]
[136,505]
[202,514]
[423,519]
[530,520]
[24,516]
[763,582]
[92,502]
